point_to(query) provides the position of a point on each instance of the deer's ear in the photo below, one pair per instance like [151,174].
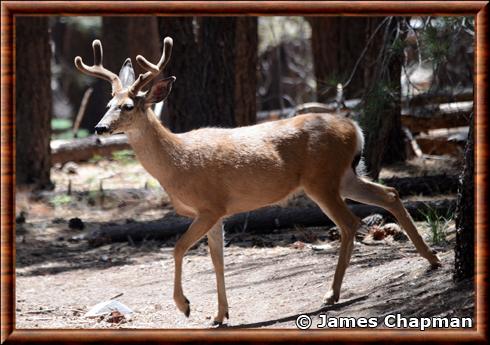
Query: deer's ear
[160,90]
[126,74]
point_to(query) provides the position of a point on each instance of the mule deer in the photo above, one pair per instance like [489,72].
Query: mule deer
[211,173]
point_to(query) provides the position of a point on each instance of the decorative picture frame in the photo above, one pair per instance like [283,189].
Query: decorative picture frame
[11,9]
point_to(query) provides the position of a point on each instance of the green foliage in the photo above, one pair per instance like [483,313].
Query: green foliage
[62,129]
[434,47]
[82,133]
[60,200]
[95,194]
[95,158]
[124,156]
[438,225]
[61,124]
[379,99]
[397,47]
[440,37]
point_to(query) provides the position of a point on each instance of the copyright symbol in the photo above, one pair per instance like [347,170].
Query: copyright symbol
[303,322]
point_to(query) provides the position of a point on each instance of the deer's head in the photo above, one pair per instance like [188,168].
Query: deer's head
[129,102]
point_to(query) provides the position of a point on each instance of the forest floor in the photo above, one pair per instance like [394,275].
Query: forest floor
[271,278]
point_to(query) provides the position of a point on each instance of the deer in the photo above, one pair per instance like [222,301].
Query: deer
[212,173]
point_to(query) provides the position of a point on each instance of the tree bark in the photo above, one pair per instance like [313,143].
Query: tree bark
[246,59]
[214,60]
[217,47]
[381,118]
[185,99]
[337,43]
[33,101]
[465,214]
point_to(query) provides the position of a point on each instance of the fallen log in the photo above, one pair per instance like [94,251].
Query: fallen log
[448,96]
[264,220]
[448,115]
[423,185]
[78,150]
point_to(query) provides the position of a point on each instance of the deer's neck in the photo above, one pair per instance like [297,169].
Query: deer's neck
[155,146]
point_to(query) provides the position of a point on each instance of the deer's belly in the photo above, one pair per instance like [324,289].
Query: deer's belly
[253,198]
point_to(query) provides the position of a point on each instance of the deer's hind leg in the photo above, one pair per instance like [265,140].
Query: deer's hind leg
[334,207]
[358,189]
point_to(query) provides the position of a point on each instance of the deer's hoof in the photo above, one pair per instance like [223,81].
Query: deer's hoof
[220,318]
[330,299]
[217,324]
[435,262]
[184,306]
[435,265]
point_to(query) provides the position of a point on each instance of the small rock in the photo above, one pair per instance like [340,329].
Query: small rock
[333,234]
[58,220]
[60,238]
[298,245]
[76,224]
[374,219]
[70,168]
[323,247]
[391,228]
[21,218]
[77,238]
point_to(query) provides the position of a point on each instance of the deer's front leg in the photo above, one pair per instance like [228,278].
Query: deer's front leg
[199,227]
[215,243]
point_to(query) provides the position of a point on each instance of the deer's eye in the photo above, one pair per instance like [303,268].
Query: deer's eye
[127,107]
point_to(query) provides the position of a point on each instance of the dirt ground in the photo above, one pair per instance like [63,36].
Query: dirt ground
[271,279]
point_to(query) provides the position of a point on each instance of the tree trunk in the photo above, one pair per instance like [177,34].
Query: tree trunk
[214,60]
[395,150]
[381,118]
[217,46]
[33,101]
[184,100]
[246,59]
[465,214]
[337,43]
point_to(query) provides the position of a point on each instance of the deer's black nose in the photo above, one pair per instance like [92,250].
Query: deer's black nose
[101,129]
